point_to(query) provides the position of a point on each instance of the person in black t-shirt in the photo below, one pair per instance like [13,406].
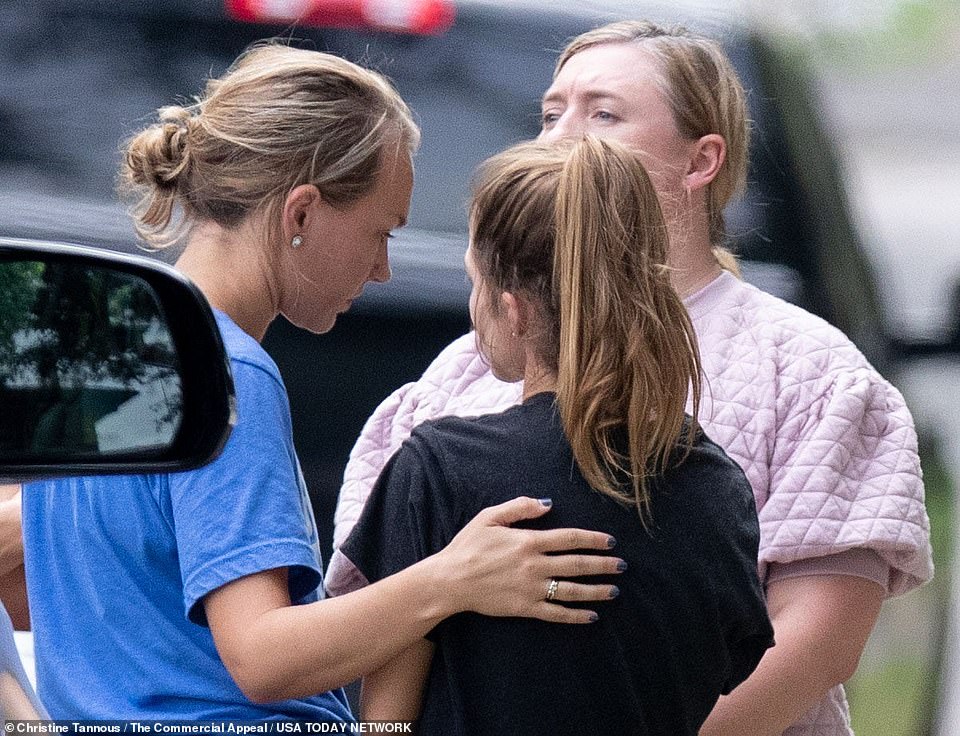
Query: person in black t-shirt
[571,295]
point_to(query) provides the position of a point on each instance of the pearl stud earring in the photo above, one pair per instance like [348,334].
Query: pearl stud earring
[297,241]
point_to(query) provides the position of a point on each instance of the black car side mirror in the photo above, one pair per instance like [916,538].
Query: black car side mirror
[109,363]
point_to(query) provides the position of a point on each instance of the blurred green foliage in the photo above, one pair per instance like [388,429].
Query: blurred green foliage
[20,282]
[892,35]
[896,696]
[912,31]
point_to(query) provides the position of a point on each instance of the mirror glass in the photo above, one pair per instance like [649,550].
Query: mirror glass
[88,366]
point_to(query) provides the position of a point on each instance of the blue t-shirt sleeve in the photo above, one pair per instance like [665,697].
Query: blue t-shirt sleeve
[247,511]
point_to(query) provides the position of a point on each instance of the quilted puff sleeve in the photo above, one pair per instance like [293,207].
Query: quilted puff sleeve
[845,474]
[384,432]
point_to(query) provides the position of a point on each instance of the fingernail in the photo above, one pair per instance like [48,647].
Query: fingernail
[611,542]
[621,565]
[614,591]
[548,502]
[594,618]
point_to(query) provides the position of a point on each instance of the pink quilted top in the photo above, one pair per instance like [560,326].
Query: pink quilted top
[827,444]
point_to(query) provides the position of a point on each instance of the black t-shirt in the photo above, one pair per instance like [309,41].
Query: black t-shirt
[690,622]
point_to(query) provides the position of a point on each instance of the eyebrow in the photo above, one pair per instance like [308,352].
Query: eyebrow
[590,95]
[401,221]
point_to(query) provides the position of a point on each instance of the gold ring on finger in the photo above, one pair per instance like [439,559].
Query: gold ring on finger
[552,589]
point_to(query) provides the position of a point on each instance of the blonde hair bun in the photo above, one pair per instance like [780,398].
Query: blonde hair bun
[280,117]
[158,155]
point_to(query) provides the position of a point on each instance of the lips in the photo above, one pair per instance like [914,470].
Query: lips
[349,302]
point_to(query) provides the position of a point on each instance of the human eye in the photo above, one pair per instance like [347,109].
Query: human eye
[605,116]
[548,118]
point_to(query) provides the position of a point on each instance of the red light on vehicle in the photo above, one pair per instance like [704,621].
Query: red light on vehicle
[404,16]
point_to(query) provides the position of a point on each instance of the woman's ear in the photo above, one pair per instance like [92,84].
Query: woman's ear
[707,156]
[298,208]
[517,312]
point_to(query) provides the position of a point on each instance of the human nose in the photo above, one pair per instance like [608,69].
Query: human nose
[381,269]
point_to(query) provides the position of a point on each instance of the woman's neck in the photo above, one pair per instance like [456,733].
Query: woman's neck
[690,257]
[537,379]
[230,268]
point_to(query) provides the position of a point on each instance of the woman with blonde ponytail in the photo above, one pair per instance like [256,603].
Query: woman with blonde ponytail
[572,296]
[197,595]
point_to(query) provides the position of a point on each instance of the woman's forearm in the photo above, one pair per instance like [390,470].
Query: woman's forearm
[276,651]
[395,691]
[279,651]
[11,532]
[821,624]
[13,584]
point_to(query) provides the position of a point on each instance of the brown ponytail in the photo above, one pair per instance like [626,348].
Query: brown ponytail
[579,230]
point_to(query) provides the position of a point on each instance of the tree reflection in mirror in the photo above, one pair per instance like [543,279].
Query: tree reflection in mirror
[88,367]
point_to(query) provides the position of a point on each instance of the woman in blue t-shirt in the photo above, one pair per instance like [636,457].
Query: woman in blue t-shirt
[170,596]
[572,295]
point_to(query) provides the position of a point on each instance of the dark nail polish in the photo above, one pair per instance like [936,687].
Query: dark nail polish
[548,502]
[611,542]
[594,618]
[614,591]
[621,566]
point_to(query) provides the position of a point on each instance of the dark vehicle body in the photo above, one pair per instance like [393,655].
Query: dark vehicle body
[77,78]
